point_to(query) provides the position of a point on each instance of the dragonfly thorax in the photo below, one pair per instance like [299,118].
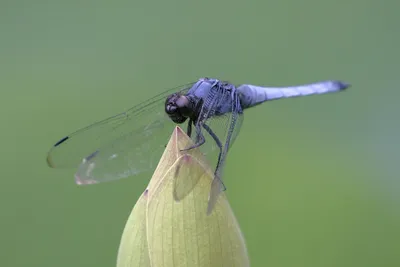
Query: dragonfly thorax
[180,107]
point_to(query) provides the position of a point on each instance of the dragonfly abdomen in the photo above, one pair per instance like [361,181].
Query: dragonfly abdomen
[251,95]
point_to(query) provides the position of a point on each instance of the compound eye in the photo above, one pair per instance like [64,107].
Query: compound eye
[170,108]
[170,103]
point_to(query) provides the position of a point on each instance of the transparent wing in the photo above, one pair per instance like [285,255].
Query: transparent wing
[117,147]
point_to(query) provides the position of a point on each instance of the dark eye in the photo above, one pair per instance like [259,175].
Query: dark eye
[170,108]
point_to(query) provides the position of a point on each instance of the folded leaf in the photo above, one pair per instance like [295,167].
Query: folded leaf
[181,233]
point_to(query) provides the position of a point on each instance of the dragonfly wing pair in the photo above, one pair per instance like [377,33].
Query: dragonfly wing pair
[120,146]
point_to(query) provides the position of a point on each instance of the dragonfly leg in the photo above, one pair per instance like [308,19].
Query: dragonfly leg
[189,128]
[216,139]
[200,139]
[219,144]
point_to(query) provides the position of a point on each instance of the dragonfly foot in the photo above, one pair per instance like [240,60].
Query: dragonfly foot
[191,147]
[199,143]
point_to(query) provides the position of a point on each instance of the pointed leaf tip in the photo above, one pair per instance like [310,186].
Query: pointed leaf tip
[163,232]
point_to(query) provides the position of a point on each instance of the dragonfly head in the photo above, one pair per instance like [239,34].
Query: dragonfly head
[179,107]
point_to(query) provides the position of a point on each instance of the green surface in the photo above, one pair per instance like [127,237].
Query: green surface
[313,181]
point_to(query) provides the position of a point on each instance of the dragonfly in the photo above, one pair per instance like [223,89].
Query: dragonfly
[132,142]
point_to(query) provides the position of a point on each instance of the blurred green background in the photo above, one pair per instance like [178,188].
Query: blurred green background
[313,181]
